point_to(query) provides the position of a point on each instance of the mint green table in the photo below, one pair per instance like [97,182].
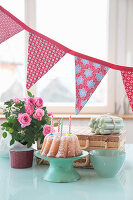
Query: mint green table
[28,184]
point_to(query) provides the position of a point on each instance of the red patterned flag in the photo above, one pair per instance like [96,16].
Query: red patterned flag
[8,27]
[128,84]
[88,76]
[42,56]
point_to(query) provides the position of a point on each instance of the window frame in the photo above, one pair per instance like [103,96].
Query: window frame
[114,51]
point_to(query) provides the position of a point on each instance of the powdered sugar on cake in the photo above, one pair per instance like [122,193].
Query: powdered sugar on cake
[59,146]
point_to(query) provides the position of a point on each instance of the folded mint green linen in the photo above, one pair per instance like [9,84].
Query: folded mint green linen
[106,124]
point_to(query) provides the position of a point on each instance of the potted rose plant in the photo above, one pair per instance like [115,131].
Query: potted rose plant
[27,121]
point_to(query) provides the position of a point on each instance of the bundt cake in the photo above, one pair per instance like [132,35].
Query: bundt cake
[58,146]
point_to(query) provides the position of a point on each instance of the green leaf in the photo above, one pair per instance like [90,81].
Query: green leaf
[9,102]
[49,122]
[5,124]
[29,144]
[55,124]
[4,134]
[2,128]
[11,120]
[7,128]
[44,108]
[29,94]
[17,136]
[18,105]
[12,142]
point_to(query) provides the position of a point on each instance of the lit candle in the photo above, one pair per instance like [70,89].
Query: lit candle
[59,125]
[52,124]
[70,124]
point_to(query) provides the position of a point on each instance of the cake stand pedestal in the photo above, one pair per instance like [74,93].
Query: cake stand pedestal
[61,170]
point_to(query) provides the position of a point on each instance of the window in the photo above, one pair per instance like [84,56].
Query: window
[80,25]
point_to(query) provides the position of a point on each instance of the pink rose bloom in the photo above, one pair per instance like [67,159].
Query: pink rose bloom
[39,113]
[49,113]
[30,100]
[47,130]
[24,119]
[38,102]
[22,132]
[29,109]
[16,100]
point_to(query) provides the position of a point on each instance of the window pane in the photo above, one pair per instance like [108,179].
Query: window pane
[81,26]
[12,58]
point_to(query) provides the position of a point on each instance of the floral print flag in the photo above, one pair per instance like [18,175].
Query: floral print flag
[8,27]
[128,84]
[88,75]
[42,56]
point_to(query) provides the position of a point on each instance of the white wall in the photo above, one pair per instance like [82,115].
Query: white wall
[129,128]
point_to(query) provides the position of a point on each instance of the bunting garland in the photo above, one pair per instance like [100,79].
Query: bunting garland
[88,75]
[44,53]
[42,56]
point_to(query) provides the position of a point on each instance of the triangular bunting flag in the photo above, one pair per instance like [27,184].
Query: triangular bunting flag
[88,75]
[8,27]
[128,84]
[42,56]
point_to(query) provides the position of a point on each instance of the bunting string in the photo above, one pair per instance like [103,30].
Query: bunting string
[44,53]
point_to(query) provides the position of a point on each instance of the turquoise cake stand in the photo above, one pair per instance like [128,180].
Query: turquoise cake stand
[61,170]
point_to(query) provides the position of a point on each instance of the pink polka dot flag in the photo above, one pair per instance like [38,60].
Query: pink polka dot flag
[88,75]
[8,27]
[42,56]
[128,84]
